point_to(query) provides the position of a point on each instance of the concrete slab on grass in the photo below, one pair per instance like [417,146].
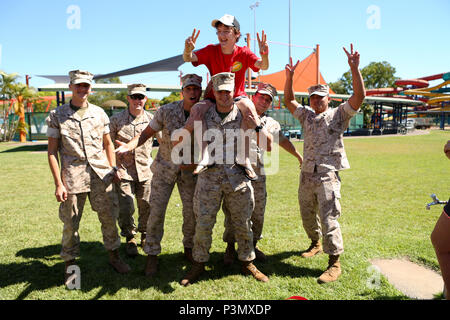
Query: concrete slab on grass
[415,281]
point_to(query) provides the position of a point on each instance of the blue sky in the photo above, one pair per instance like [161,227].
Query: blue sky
[412,35]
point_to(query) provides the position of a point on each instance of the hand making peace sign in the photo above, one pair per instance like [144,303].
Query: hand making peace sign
[262,42]
[290,68]
[353,57]
[189,44]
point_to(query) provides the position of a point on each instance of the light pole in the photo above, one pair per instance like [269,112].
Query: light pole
[253,7]
[290,30]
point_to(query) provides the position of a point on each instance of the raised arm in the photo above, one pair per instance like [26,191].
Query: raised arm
[263,63]
[359,91]
[189,46]
[289,97]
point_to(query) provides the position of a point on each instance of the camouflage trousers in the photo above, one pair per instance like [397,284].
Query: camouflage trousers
[127,192]
[318,196]
[260,195]
[161,190]
[213,190]
[103,199]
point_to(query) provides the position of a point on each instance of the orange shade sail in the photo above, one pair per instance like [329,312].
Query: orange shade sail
[304,77]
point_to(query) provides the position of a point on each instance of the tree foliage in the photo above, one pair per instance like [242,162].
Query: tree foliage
[100,97]
[375,75]
[174,96]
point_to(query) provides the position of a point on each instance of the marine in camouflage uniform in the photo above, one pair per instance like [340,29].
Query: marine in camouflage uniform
[166,173]
[133,167]
[223,183]
[78,134]
[262,100]
[324,155]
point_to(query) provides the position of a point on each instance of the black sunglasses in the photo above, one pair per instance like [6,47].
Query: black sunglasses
[137,96]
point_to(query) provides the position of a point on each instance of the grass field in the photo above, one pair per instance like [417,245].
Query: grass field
[383,203]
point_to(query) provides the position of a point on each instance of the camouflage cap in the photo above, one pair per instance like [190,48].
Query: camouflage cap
[223,81]
[80,76]
[191,79]
[137,88]
[267,88]
[227,20]
[319,89]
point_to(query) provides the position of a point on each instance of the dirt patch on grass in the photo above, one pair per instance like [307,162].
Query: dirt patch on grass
[415,281]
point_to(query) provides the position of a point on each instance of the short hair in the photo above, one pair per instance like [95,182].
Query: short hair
[236,31]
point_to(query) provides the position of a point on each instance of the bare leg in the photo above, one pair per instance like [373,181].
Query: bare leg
[440,237]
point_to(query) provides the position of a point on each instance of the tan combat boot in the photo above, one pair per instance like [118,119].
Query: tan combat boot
[116,262]
[333,271]
[131,247]
[229,254]
[248,268]
[188,254]
[197,269]
[314,248]
[260,256]
[151,266]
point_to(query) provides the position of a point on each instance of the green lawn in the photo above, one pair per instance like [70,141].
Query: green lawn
[384,197]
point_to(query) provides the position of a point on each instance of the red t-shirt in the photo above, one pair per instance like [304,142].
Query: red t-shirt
[238,62]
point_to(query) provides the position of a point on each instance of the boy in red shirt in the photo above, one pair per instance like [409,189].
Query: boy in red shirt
[226,56]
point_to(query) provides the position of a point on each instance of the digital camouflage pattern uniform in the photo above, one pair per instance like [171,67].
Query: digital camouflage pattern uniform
[167,119]
[134,168]
[85,172]
[259,185]
[224,183]
[323,156]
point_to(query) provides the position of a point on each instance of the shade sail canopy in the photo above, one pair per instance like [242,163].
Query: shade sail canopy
[304,77]
[169,64]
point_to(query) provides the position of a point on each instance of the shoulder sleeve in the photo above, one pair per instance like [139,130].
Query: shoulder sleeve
[300,113]
[113,127]
[52,125]
[348,109]
[251,58]
[157,123]
[203,55]
[105,120]
[274,128]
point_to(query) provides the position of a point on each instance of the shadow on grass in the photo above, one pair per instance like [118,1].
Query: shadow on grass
[46,270]
[273,266]
[29,148]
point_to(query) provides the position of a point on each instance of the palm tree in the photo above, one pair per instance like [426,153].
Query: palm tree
[7,82]
[10,89]
[23,95]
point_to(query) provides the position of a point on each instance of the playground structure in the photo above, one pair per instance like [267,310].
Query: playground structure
[436,100]
[418,89]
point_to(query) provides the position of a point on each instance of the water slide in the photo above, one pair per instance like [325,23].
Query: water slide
[432,95]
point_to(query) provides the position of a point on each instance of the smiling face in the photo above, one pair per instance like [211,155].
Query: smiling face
[227,36]
[80,92]
[319,103]
[136,103]
[224,100]
[191,95]
[262,102]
